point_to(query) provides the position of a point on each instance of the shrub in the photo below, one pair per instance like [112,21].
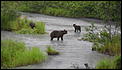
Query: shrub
[103,41]
[16,54]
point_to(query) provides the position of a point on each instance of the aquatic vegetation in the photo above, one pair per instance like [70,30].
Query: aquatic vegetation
[24,27]
[51,51]
[15,54]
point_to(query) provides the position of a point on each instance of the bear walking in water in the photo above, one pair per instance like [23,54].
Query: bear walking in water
[58,34]
[77,28]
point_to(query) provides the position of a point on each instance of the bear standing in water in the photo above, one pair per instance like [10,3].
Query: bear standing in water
[58,34]
[32,25]
[77,28]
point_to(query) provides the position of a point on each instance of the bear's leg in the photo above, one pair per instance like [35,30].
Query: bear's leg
[75,29]
[51,38]
[62,38]
[80,30]
[31,26]
[58,38]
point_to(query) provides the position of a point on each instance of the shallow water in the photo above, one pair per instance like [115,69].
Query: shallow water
[72,51]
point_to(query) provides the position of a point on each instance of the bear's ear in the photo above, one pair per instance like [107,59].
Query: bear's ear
[64,30]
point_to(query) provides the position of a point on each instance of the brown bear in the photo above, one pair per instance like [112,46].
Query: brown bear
[32,25]
[57,34]
[77,28]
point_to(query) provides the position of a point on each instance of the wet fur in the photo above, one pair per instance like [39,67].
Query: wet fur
[77,28]
[57,34]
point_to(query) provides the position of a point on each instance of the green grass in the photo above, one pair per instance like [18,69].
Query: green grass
[40,26]
[51,51]
[105,64]
[112,47]
[21,26]
[24,27]
[15,54]
[103,42]
[74,9]
[114,63]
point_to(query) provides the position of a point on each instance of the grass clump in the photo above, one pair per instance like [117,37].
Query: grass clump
[15,54]
[51,51]
[21,26]
[114,63]
[24,27]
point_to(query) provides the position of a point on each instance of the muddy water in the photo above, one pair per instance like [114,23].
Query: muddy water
[72,51]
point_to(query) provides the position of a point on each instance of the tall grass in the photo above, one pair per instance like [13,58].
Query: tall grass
[11,21]
[24,27]
[16,54]
[112,47]
[114,63]
[40,26]
[8,14]
[103,41]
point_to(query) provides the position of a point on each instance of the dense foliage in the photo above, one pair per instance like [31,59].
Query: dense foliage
[106,10]
[95,9]
[104,42]
[8,14]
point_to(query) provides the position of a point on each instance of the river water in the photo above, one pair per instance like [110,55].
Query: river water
[72,51]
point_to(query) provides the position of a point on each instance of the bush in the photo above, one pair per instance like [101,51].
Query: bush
[103,41]
[51,51]
[16,54]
